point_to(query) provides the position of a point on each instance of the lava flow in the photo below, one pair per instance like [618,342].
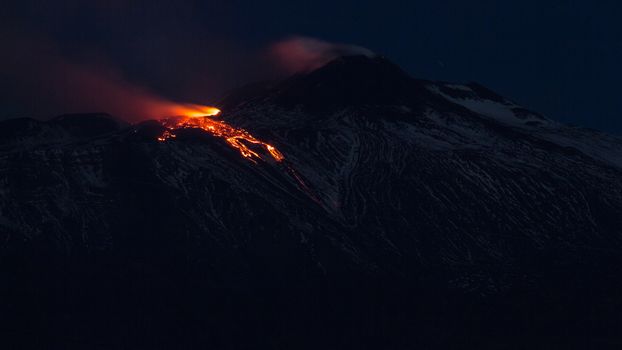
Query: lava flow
[199,117]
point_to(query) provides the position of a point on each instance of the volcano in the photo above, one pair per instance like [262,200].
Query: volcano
[377,211]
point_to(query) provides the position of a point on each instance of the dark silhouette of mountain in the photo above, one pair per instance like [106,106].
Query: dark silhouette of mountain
[406,213]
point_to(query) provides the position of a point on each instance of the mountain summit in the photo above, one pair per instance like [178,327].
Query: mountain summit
[350,81]
[346,82]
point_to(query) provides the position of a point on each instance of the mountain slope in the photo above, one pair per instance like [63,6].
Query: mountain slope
[438,193]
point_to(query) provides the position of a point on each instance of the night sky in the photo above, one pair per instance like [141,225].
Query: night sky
[560,58]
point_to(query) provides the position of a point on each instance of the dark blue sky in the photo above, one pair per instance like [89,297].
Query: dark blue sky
[560,58]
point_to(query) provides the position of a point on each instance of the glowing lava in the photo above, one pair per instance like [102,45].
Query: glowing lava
[194,111]
[199,117]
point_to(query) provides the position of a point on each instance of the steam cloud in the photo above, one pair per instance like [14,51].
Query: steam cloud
[303,54]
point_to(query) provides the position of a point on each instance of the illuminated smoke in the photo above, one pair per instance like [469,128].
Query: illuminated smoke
[303,54]
[59,85]
[87,89]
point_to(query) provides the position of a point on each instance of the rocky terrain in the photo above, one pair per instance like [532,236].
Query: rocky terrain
[405,212]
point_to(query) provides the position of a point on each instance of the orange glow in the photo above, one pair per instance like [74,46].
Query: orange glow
[198,117]
[194,111]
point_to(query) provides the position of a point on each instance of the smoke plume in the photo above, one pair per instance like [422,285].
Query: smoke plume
[58,85]
[303,54]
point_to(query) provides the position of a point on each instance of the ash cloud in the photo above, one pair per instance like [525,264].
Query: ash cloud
[302,54]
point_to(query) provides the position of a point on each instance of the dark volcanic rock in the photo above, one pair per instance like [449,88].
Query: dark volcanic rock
[406,212]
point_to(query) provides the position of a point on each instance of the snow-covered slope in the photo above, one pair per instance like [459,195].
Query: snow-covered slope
[384,175]
[408,170]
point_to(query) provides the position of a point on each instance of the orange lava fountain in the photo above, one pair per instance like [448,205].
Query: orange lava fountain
[199,117]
